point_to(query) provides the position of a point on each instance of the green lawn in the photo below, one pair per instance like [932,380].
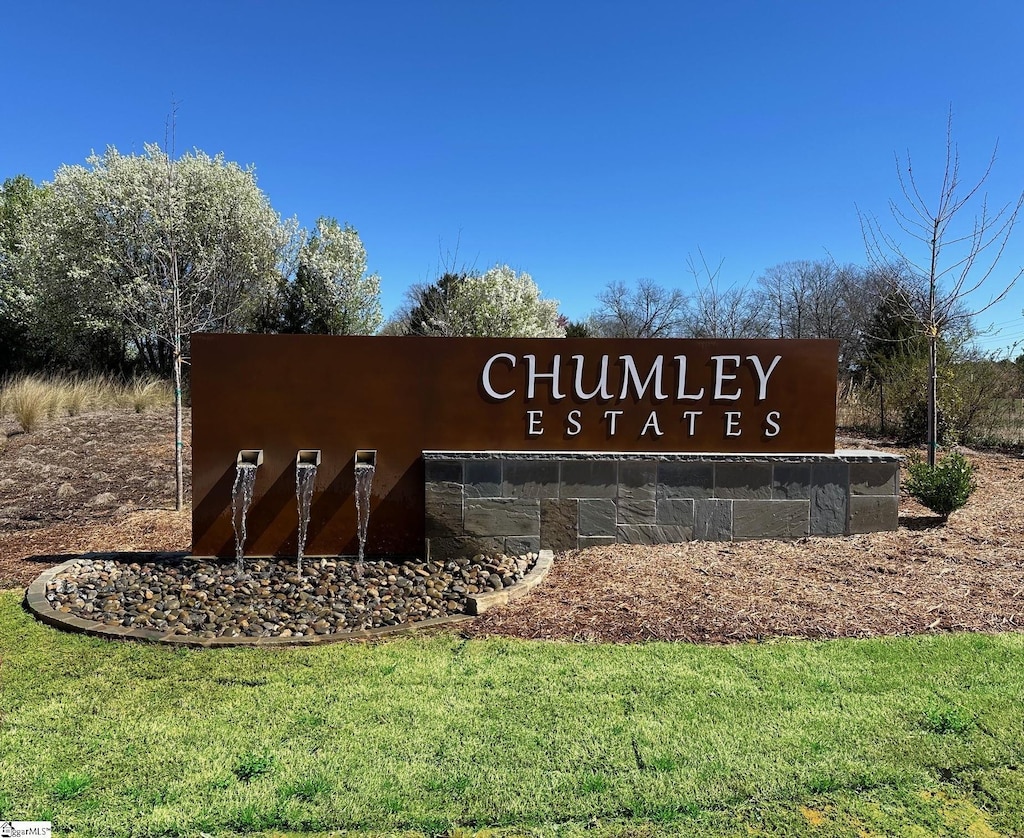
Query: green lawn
[918,736]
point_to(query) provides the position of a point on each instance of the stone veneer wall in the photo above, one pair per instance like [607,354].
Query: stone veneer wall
[513,502]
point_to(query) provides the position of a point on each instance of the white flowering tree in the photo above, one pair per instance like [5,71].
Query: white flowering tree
[331,292]
[154,248]
[497,303]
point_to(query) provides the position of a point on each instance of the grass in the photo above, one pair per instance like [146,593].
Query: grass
[30,401]
[433,736]
[33,399]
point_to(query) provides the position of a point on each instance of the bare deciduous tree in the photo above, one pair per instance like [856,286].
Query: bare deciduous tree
[647,310]
[717,312]
[955,243]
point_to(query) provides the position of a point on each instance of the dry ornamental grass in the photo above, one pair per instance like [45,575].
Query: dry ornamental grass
[104,482]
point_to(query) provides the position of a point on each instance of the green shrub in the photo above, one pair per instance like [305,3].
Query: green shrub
[944,488]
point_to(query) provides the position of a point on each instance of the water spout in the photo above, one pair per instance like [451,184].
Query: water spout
[365,466]
[306,462]
[246,463]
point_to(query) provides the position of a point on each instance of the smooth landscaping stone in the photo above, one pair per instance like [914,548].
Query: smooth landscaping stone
[193,599]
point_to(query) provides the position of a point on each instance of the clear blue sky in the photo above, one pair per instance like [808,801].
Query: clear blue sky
[581,142]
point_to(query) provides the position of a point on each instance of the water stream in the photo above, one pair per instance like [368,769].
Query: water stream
[364,482]
[241,500]
[305,474]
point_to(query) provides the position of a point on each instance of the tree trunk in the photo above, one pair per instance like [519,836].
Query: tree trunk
[179,470]
[933,379]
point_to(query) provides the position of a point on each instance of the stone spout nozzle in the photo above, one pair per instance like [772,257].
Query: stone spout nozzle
[366,457]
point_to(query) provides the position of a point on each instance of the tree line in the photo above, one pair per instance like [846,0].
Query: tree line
[111,265]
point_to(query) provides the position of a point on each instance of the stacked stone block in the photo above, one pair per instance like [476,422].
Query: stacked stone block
[521,502]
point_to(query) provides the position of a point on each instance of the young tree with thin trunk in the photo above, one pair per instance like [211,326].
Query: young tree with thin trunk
[955,243]
[158,246]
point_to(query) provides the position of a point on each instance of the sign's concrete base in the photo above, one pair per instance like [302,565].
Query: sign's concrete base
[518,502]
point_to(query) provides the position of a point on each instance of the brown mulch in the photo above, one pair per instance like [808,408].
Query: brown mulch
[104,482]
[90,483]
[966,575]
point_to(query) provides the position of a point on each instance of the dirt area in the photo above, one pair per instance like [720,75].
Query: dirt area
[104,482]
[96,482]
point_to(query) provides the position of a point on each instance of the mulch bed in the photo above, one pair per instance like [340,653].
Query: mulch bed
[966,575]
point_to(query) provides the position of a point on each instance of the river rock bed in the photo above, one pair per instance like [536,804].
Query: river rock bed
[188,596]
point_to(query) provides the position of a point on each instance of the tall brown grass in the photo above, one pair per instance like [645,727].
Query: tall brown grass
[31,399]
[145,393]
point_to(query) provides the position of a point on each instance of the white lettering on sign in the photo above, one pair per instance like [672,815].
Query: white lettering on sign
[601,391]
[487,376]
[574,426]
[630,374]
[532,375]
[732,423]
[721,376]
[726,384]
[612,416]
[692,416]
[762,376]
[652,425]
[681,393]
[533,418]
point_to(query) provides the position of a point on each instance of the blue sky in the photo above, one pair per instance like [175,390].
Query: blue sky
[581,142]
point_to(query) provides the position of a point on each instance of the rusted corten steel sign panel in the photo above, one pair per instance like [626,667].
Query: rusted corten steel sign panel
[404,395]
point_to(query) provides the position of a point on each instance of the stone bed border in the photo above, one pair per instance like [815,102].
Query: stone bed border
[36,602]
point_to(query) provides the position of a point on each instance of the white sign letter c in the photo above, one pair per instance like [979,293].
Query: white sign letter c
[486,378]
